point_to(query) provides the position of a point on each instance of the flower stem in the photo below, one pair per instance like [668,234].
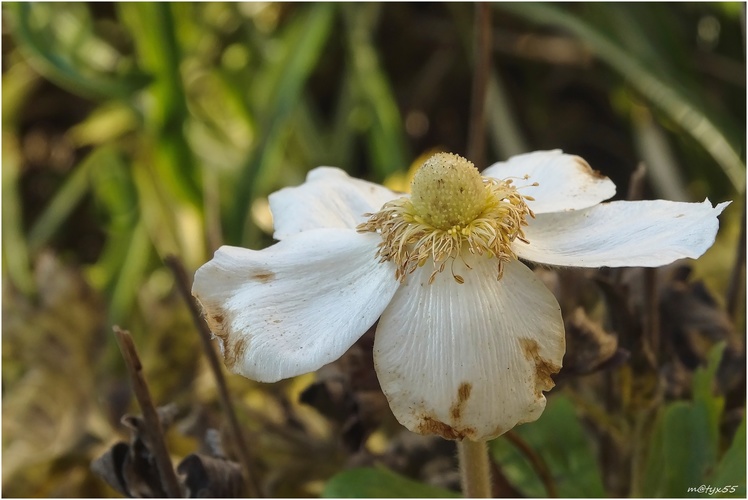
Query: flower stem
[473,456]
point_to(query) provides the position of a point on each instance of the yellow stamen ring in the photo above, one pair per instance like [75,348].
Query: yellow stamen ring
[409,239]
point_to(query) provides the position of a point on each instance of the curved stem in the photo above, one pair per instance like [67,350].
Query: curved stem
[537,462]
[473,456]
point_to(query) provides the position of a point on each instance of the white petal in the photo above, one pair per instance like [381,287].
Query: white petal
[622,233]
[328,198]
[565,182]
[295,306]
[471,360]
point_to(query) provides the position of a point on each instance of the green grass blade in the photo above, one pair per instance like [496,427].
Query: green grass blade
[63,203]
[668,99]
[70,71]
[386,134]
[152,26]
[303,42]
[17,82]
[15,250]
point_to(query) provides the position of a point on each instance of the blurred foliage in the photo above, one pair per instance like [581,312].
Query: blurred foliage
[673,461]
[560,439]
[132,131]
[380,483]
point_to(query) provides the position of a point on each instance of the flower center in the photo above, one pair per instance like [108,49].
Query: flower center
[448,191]
[451,209]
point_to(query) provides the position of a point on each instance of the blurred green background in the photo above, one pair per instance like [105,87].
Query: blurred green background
[132,131]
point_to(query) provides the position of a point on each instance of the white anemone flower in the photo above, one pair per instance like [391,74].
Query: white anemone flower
[468,336]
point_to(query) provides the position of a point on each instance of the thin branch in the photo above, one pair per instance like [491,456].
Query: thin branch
[152,422]
[537,462]
[183,285]
[476,150]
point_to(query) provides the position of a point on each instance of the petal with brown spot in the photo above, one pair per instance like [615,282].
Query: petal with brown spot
[297,305]
[449,356]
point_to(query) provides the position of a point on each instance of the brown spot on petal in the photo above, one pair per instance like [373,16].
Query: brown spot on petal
[498,431]
[263,276]
[463,393]
[215,318]
[587,169]
[543,368]
[232,349]
[429,425]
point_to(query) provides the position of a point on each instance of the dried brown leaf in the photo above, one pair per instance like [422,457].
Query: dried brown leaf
[210,477]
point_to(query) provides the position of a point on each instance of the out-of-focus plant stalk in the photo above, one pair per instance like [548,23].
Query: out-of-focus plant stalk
[476,149]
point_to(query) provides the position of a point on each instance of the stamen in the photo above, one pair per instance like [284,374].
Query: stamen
[410,239]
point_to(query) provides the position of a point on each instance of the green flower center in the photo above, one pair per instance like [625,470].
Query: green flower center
[448,191]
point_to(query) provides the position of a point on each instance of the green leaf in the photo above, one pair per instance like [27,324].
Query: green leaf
[380,483]
[559,439]
[674,463]
[731,469]
[704,394]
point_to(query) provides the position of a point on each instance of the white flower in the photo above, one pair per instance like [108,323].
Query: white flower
[468,337]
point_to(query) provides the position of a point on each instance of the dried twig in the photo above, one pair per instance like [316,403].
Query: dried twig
[476,149]
[183,285]
[151,419]
[537,462]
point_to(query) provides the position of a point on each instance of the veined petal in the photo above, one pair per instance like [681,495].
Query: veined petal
[295,306]
[469,360]
[328,198]
[565,182]
[622,233]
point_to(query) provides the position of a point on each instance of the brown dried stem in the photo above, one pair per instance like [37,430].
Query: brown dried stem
[152,422]
[183,285]
[537,462]
[476,149]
